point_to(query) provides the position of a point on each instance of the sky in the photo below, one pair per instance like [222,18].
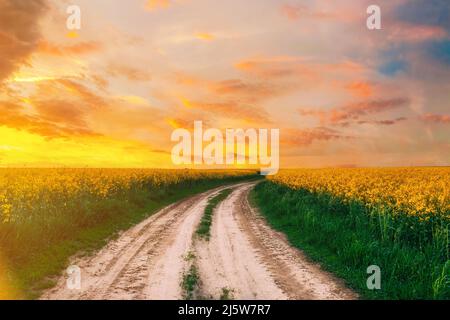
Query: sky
[111,93]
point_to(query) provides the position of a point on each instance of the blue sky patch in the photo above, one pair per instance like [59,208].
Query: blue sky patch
[391,68]
[440,50]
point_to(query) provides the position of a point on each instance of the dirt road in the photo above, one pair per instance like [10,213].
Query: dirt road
[244,258]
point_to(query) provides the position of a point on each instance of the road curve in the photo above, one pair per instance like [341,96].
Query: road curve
[252,261]
[244,256]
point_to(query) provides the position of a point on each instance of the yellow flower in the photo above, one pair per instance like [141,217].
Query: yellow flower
[413,191]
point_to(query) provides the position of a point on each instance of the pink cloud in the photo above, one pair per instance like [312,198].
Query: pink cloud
[406,32]
[355,111]
[305,137]
[436,118]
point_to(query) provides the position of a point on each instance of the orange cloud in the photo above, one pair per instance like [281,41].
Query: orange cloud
[232,109]
[360,88]
[157,4]
[205,36]
[14,116]
[99,81]
[248,91]
[19,32]
[92,99]
[436,118]
[76,49]
[58,107]
[296,11]
[292,12]
[129,72]
[61,111]
[188,79]
[275,67]
[179,123]
[278,67]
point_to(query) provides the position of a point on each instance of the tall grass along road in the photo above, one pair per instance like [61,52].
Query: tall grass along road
[349,219]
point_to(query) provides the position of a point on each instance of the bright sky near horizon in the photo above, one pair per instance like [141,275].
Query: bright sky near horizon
[111,93]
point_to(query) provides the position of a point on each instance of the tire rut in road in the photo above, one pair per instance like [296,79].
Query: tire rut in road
[130,266]
[247,257]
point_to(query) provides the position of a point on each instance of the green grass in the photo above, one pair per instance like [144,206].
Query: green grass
[190,282]
[204,228]
[191,278]
[347,238]
[35,252]
[227,294]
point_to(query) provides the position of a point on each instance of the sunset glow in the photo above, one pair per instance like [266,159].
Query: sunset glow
[111,93]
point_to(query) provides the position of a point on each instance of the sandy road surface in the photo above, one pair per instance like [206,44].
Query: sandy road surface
[243,255]
[246,256]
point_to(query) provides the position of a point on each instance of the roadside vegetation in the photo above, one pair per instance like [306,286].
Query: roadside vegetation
[191,278]
[227,294]
[329,219]
[204,228]
[47,215]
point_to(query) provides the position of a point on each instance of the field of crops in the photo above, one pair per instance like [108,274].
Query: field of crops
[349,219]
[48,214]
[27,193]
[421,192]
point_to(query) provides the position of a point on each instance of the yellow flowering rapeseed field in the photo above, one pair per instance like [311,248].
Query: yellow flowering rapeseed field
[422,192]
[29,190]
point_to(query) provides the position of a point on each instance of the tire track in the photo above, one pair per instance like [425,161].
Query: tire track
[144,262]
[245,255]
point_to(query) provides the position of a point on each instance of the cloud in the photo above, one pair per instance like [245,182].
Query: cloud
[128,72]
[61,111]
[250,91]
[243,90]
[425,12]
[152,5]
[58,107]
[230,109]
[75,49]
[427,25]
[13,115]
[407,32]
[279,67]
[19,32]
[305,137]
[205,36]
[353,112]
[295,12]
[99,81]
[436,118]
[176,123]
[383,122]
[81,91]
[67,108]
[292,12]
[360,88]
[275,66]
